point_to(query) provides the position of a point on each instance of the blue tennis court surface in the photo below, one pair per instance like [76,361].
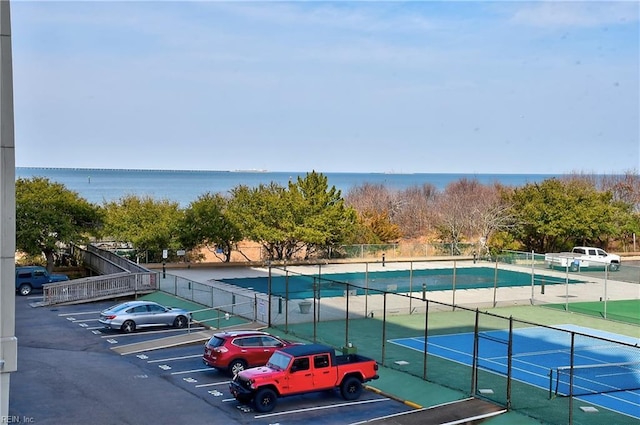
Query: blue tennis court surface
[538,351]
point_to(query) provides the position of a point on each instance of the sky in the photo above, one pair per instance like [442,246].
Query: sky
[348,86]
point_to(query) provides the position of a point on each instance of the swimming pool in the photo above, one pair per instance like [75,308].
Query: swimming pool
[296,286]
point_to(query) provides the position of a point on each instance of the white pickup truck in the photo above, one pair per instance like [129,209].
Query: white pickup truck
[582,257]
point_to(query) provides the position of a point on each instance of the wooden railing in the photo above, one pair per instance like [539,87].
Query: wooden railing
[99,287]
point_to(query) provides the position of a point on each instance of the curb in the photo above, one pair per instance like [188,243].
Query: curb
[391,396]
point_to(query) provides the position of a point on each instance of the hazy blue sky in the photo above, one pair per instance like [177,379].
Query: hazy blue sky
[421,86]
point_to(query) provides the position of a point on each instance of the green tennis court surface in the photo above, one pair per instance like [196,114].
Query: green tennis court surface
[627,311]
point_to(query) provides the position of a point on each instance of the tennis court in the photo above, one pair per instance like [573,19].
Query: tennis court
[297,286]
[621,310]
[605,374]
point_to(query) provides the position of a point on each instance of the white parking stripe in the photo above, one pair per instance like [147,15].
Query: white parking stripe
[78,313]
[213,384]
[331,406]
[154,332]
[175,358]
[85,320]
[191,371]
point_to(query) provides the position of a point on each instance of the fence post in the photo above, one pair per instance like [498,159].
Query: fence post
[384,324]
[366,289]
[426,327]
[286,299]
[495,282]
[315,317]
[410,286]
[453,301]
[269,295]
[346,328]
[474,367]
[509,361]
[573,339]
[606,275]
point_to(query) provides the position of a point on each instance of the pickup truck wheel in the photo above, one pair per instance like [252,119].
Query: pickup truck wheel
[351,388]
[25,289]
[236,366]
[614,267]
[265,400]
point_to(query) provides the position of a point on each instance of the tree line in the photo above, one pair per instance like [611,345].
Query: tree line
[309,219]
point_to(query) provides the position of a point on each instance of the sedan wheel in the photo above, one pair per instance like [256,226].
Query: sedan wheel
[180,322]
[128,326]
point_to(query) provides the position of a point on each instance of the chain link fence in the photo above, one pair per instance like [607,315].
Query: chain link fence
[514,363]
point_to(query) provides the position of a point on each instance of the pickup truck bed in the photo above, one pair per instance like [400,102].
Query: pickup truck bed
[582,257]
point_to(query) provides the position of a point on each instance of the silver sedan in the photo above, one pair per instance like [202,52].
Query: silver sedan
[132,315]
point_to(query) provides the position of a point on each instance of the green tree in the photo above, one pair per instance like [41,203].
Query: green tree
[305,217]
[264,215]
[554,215]
[205,223]
[149,224]
[49,216]
[323,219]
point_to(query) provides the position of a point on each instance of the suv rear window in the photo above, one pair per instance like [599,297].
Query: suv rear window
[216,342]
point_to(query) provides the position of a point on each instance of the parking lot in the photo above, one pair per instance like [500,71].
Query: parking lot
[70,371]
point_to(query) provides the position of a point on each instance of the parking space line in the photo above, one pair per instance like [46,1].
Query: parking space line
[153,332]
[85,320]
[174,358]
[190,371]
[78,313]
[213,384]
[331,406]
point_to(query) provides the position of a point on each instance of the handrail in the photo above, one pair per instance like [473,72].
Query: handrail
[99,287]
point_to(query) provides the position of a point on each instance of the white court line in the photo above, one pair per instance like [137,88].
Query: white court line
[174,358]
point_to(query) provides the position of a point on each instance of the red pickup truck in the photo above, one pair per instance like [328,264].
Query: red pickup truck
[301,369]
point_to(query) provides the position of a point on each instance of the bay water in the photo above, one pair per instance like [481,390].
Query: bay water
[184,186]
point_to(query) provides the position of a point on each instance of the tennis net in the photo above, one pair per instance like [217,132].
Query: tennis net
[595,378]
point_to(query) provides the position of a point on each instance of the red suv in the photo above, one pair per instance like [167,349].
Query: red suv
[238,350]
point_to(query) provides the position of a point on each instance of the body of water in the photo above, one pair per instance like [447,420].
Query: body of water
[183,186]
